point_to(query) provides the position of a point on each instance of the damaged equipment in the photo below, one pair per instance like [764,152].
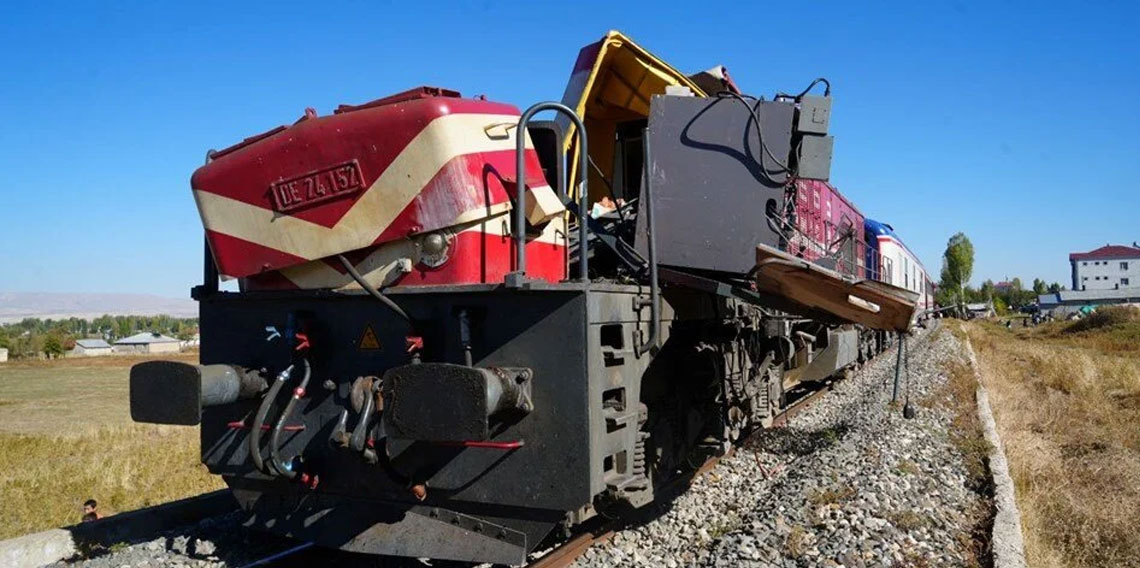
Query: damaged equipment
[458,331]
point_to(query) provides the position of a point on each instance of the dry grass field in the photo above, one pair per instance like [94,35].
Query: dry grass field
[66,436]
[1066,397]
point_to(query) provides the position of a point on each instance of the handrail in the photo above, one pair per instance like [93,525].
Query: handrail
[651,238]
[515,279]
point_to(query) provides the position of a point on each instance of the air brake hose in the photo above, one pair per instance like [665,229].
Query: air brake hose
[259,418]
[372,289]
[360,433]
[274,440]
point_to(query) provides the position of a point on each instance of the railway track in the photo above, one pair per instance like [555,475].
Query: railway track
[257,550]
[566,553]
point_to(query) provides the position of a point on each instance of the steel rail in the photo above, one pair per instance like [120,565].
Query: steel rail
[279,555]
[781,419]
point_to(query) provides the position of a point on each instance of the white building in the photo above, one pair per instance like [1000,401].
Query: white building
[1111,267]
[3,355]
[194,341]
[90,348]
[148,342]
[981,310]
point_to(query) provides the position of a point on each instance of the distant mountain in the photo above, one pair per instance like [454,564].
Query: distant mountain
[15,306]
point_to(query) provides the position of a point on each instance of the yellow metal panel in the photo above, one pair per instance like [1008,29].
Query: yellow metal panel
[618,87]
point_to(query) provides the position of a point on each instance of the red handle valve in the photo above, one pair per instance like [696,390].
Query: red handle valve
[310,481]
[415,343]
[302,341]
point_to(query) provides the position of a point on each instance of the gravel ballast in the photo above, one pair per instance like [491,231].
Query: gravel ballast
[848,482]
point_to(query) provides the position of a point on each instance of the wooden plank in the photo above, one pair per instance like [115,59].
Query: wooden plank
[867,302]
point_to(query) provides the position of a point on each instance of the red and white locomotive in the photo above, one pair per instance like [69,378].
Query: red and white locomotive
[458,328]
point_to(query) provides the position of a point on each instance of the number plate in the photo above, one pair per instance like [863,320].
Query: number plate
[317,187]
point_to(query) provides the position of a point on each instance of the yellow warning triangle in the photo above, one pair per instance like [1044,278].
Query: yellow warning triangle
[368,339]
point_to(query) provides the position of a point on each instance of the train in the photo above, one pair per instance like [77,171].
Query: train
[889,260]
[460,331]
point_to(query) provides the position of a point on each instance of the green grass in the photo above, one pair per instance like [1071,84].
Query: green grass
[66,436]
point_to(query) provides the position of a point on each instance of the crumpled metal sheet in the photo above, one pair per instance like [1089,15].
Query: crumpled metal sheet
[867,302]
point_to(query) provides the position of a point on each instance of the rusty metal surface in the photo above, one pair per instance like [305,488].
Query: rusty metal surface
[802,404]
[567,553]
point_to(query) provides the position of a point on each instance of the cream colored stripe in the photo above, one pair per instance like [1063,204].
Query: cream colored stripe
[441,141]
[378,268]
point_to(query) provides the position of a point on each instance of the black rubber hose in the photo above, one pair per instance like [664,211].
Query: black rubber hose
[609,187]
[275,439]
[826,88]
[371,289]
[259,418]
[759,132]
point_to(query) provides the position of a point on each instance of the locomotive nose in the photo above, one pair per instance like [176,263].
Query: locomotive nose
[170,392]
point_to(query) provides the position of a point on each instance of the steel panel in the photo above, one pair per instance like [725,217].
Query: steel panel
[543,331]
[712,183]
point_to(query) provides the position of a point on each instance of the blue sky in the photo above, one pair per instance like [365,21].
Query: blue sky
[1013,122]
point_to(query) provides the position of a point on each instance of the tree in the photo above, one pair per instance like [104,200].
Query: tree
[957,264]
[53,347]
[1014,293]
[1039,286]
[1000,308]
[1055,287]
[988,289]
[973,295]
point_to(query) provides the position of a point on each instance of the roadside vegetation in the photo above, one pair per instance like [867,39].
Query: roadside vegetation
[958,396]
[1066,397]
[1110,329]
[1006,297]
[66,436]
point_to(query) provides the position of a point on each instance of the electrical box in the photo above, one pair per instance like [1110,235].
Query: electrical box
[815,157]
[814,115]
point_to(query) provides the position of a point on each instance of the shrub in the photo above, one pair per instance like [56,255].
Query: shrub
[1105,316]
